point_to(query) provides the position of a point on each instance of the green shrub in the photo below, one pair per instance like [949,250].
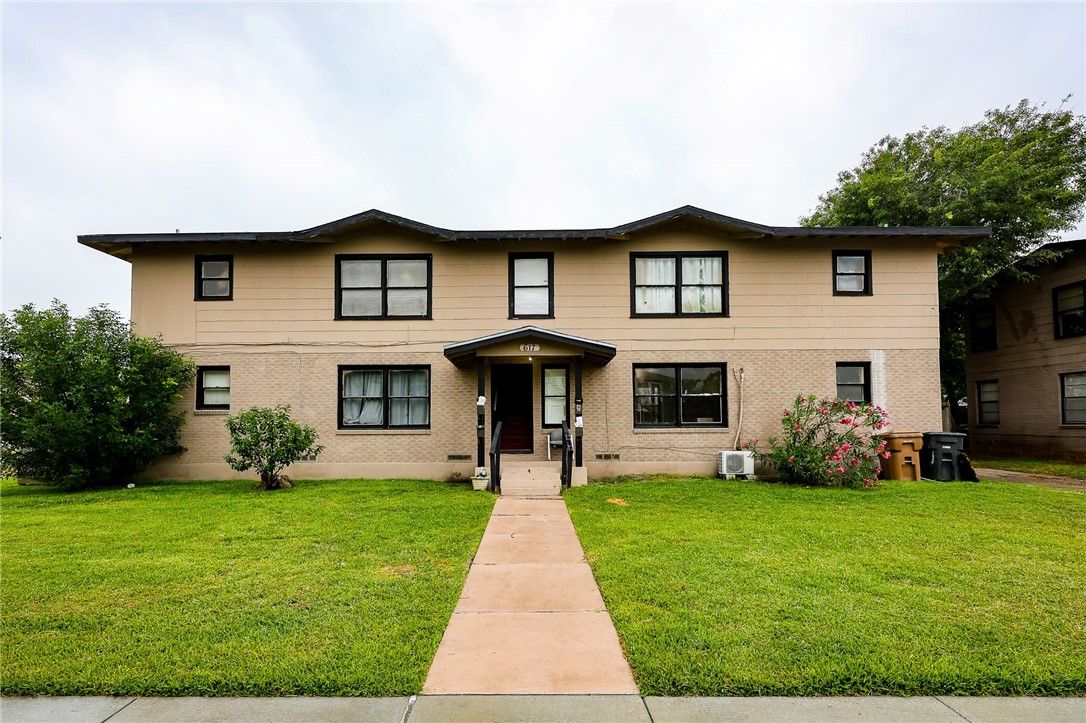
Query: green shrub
[268,440]
[84,402]
[827,442]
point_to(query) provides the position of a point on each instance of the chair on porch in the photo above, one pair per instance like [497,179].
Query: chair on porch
[554,441]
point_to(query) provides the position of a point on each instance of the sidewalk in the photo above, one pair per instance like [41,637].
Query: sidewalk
[531,618]
[542,708]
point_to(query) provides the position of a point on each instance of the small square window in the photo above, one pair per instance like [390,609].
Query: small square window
[1069,310]
[1073,394]
[852,273]
[213,387]
[854,381]
[988,403]
[214,278]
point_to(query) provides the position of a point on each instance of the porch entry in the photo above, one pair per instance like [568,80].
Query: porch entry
[511,404]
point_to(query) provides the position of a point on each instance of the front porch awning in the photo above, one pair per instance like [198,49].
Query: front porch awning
[530,340]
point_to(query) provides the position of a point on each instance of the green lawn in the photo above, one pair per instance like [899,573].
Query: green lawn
[747,588]
[1034,466]
[214,588]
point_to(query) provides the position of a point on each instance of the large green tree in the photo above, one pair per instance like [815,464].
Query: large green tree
[84,401]
[1020,171]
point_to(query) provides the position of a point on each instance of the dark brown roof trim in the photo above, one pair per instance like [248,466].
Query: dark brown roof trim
[121,244]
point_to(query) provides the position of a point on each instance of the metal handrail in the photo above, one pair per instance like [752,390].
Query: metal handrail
[567,456]
[495,484]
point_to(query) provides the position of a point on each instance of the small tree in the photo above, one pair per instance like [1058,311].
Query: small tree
[268,440]
[84,402]
[827,442]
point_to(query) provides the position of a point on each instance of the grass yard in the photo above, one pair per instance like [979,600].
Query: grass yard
[214,588]
[748,588]
[1033,466]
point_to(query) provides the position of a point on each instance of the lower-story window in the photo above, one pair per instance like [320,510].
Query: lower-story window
[1074,397]
[988,402]
[680,395]
[854,381]
[212,387]
[384,397]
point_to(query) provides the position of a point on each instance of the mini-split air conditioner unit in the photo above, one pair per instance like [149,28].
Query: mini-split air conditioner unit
[736,464]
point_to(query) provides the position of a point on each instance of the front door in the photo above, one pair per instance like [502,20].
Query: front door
[511,404]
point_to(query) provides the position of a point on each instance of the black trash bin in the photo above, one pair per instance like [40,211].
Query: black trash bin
[939,457]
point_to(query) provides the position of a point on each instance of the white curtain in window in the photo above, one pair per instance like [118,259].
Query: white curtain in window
[407,274]
[356,274]
[654,271]
[216,387]
[531,301]
[361,302]
[407,302]
[654,280]
[531,272]
[703,270]
[554,396]
[363,402]
[409,402]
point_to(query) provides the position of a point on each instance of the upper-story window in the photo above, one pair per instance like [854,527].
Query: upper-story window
[214,278]
[531,286]
[854,381]
[683,284]
[212,387]
[852,273]
[383,287]
[982,328]
[1069,310]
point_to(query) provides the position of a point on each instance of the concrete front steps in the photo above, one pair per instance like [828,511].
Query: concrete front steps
[531,479]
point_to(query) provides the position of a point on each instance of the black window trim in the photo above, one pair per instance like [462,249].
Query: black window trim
[866,365]
[198,290]
[1063,399]
[543,393]
[385,386]
[981,423]
[979,343]
[678,367]
[725,311]
[866,254]
[1056,310]
[513,257]
[200,370]
[384,259]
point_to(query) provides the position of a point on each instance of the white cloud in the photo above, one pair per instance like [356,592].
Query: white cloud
[204,117]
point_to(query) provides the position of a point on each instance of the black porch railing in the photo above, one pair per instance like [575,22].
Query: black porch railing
[495,484]
[567,456]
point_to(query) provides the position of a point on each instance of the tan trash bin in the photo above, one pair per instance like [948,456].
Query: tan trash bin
[904,462]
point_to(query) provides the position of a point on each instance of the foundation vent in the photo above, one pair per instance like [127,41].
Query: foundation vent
[459,457]
[616,456]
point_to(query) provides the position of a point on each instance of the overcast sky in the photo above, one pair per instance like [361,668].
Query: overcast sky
[127,117]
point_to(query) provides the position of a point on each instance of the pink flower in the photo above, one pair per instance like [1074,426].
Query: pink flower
[792,458]
[885,455]
[840,469]
[845,447]
[855,461]
[846,420]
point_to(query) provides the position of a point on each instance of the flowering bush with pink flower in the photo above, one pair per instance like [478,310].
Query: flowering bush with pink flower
[828,443]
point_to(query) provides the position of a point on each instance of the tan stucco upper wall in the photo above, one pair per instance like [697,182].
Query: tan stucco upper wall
[780,294]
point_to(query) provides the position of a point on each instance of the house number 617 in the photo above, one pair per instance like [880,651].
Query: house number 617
[529,347]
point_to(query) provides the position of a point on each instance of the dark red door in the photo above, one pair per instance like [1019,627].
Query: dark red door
[511,388]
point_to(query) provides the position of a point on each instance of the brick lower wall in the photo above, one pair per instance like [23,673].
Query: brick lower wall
[906,382]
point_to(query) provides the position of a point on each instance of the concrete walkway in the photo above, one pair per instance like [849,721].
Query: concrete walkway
[530,618]
[540,708]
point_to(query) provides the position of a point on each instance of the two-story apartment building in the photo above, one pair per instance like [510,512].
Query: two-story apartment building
[661,342]
[1026,364]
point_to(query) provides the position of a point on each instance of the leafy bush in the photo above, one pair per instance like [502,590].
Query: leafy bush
[84,402]
[268,440]
[828,443]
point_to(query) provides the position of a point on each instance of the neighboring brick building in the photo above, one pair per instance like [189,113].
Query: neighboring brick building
[382,333]
[1025,364]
